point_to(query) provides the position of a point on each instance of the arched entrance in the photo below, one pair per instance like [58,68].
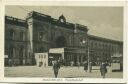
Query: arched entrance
[61,42]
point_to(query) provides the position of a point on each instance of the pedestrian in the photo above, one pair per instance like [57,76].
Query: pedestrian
[56,67]
[86,66]
[103,69]
[59,63]
[90,66]
[72,63]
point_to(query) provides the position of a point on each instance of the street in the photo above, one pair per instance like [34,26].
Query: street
[64,72]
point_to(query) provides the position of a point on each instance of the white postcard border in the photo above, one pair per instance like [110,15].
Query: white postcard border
[53,80]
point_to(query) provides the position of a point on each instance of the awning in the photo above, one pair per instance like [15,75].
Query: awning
[56,50]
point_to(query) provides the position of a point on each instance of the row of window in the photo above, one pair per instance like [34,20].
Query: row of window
[106,46]
[98,45]
[42,56]
[13,35]
[12,51]
[92,43]
[79,41]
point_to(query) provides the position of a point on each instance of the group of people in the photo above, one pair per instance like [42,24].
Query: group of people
[103,67]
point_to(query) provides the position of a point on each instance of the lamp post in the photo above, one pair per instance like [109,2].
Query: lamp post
[83,42]
[88,51]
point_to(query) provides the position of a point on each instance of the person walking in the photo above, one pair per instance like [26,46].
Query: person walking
[86,66]
[90,67]
[56,67]
[71,63]
[103,69]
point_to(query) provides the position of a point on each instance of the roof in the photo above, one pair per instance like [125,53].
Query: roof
[15,21]
[104,39]
[47,18]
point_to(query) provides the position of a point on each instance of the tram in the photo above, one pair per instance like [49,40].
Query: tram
[117,63]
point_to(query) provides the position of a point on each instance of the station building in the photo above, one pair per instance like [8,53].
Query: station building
[41,33]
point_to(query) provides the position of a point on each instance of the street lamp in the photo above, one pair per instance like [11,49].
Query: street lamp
[83,41]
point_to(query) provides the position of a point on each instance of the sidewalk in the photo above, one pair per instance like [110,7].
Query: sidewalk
[64,72]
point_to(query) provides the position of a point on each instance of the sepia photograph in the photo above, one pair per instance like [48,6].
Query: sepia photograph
[63,41]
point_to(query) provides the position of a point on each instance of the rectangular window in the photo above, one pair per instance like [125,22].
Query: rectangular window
[21,36]
[11,52]
[12,36]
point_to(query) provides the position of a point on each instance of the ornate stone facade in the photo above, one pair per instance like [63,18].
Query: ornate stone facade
[39,33]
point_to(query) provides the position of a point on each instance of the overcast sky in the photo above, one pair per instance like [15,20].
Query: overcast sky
[101,21]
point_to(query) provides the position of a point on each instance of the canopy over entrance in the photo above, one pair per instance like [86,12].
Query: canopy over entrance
[68,55]
[68,50]
[56,50]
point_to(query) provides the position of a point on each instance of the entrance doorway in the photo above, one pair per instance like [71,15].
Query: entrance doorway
[52,57]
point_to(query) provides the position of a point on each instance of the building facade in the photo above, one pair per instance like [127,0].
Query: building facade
[39,33]
[104,49]
[15,40]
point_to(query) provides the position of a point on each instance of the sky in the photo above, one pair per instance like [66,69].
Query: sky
[101,21]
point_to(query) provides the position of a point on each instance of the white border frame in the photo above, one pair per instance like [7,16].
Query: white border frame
[64,3]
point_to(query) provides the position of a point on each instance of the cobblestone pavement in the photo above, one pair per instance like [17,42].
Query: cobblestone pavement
[64,72]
